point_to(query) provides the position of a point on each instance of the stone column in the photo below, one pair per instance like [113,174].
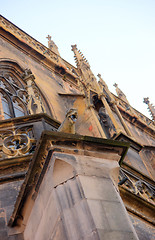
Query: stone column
[78,197]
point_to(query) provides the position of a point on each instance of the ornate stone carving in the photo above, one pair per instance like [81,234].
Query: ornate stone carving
[106,122]
[52,46]
[50,54]
[16,145]
[120,94]
[127,106]
[151,108]
[17,142]
[91,85]
[137,186]
[68,125]
[34,103]
[87,77]
[61,67]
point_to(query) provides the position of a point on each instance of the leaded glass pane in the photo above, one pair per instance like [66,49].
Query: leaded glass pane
[19,111]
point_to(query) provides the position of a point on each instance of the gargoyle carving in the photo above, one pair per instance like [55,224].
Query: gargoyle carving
[68,125]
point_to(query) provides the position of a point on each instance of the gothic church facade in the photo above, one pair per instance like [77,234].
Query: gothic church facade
[76,161]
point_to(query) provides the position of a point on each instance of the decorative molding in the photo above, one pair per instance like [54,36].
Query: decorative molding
[54,58]
[137,186]
[137,205]
[16,142]
[34,102]
[133,115]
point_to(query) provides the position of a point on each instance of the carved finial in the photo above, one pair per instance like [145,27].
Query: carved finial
[151,107]
[48,37]
[146,100]
[115,85]
[74,47]
[102,83]
[79,57]
[99,75]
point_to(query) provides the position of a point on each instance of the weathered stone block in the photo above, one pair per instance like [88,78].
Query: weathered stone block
[59,231]
[9,192]
[16,237]
[78,221]
[117,216]
[98,214]
[99,188]
[113,235]
[69,193]
[40,227]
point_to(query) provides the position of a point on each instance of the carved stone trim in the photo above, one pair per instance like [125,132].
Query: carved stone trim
[37,46]
[16,145]
[137,186]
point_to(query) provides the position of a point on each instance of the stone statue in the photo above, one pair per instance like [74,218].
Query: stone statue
[106,122]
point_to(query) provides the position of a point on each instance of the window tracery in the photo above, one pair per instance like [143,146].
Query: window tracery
[12,99]
[19,95]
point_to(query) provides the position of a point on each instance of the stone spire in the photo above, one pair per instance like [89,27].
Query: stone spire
[84,69]
[88,82]
[101,89]
[120,94]
[52,46]
[151,107]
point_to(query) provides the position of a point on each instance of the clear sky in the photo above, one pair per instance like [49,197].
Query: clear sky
[116,36]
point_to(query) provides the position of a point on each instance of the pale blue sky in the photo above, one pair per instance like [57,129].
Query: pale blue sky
[116,36]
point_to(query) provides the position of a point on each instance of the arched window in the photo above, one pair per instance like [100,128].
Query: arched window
[18,109]
[15,100]
[5,112]
[12,98]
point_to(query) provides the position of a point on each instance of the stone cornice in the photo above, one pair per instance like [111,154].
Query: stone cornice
[28,119]
[133,143]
